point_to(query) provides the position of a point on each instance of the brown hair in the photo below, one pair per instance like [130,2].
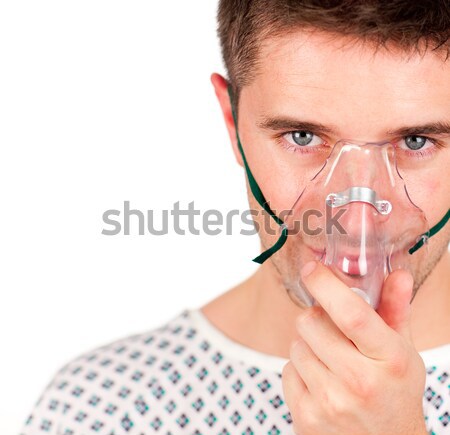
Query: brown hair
[408,24]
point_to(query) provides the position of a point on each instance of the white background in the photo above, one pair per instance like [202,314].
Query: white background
[103,102]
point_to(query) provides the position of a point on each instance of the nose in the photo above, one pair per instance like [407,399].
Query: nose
[360,223]
[365,165]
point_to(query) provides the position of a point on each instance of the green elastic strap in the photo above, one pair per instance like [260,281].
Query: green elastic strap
[257,193]
[430,233]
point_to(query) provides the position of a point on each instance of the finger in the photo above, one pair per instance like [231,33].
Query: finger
[294,389]
[352,315]
[313,371]
[395,308]
[327,342]
[295,393]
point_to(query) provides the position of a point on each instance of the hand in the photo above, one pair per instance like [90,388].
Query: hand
[354,371]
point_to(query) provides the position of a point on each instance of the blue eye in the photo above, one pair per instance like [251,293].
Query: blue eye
[415,142]
[302,138]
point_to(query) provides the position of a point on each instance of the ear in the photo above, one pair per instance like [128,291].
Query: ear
[221,88]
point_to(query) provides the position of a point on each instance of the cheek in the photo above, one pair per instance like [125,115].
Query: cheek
[433,185]
[430,193]
[278,179]
[433,198]
[282,190]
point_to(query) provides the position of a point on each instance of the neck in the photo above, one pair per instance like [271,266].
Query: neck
[431,307]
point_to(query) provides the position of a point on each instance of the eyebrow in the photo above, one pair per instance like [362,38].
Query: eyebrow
[439,127]
[276,124]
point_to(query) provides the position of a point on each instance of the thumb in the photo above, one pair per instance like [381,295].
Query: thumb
[394,307]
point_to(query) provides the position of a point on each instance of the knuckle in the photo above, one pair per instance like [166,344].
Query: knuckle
[310,422]
[308,315]
[398,364]
[366,387]
[337,407]
[355,320]
[334,401]
[362,384]
[324,397]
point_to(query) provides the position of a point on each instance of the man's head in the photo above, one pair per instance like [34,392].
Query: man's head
[325,70]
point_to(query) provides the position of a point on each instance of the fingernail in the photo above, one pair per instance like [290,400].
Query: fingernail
[308,268]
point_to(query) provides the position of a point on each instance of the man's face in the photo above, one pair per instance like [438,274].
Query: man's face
[356,93]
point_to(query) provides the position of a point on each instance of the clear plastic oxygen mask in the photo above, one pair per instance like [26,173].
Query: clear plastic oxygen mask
[365,220]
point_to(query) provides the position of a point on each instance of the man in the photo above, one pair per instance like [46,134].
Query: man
[255,360]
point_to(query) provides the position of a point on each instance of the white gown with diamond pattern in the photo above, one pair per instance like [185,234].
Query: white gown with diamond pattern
[187,377]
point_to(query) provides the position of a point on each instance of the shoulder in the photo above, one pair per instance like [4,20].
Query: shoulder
[109,385]
[127,358]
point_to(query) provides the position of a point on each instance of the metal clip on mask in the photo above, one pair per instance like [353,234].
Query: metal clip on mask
[367,224]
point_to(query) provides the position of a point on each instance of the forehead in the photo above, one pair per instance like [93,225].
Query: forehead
[338,79]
